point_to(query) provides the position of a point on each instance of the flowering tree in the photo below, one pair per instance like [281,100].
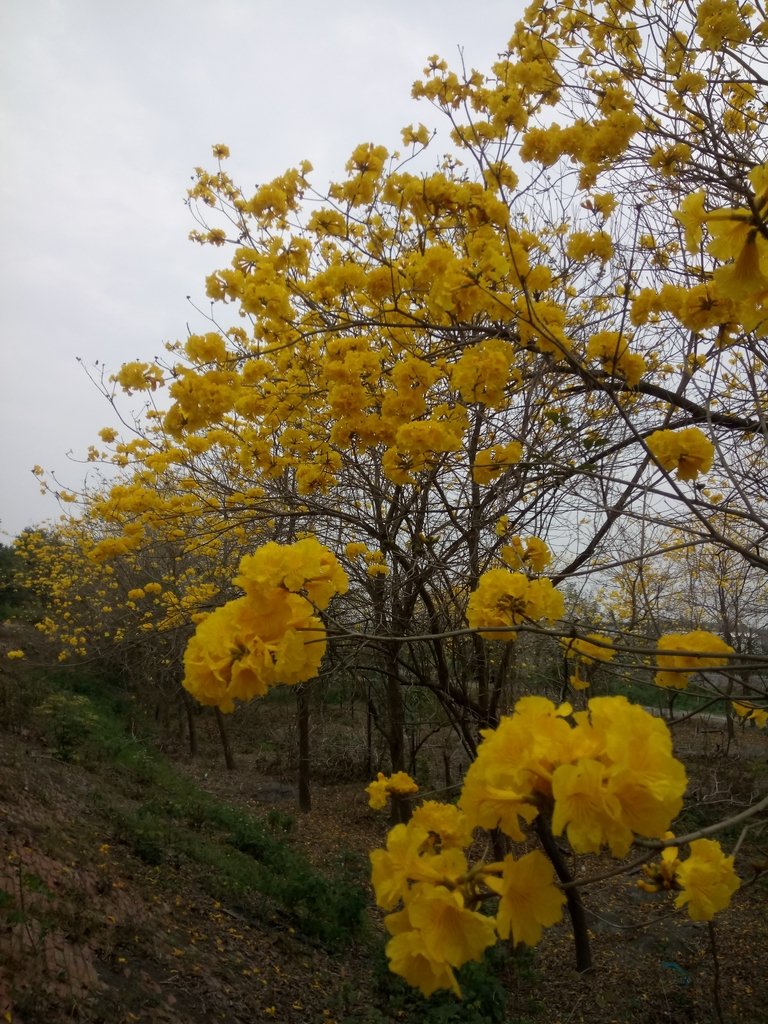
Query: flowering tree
[458,379]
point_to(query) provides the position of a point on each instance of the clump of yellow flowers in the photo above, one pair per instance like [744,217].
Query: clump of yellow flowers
[688,451]
[272,634]
[680,654]
[586,652]
[504,598]
[601,777]
[706,879]
[400,784]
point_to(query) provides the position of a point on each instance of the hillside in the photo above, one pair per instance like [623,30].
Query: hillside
[140,886]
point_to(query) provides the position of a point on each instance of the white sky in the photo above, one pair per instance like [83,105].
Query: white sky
[106,106]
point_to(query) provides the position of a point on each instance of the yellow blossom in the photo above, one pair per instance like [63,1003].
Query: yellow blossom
[377,792]
[401,784]
[530,901]
[707,879]
[688,451]
[593,647]
[504,598]
[491,462]
[750,711]
[675,668]
[533,555]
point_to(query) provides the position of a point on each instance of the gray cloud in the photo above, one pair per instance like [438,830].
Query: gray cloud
[105,109]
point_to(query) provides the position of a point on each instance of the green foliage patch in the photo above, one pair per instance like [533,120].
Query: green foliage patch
[165,819]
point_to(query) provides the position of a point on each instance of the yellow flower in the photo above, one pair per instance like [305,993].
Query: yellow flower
[529,900]
[306,567]
[355,549]
[415,136]
[491,462]
[688,451]
[410,857]
[692,216]
[619,777]
[675,669]
[394,866]
[615,357]
[587,810]
[594,647]
[445,821]
[746,278]
[668,160]
[15,654]
[582,245]
[377,792]
[720,22]
[661,875]
[745,709]
[502,525]
[400,784]
[708,880]
[604,203]
[504,598]
[514,764]
[448,929]
[535,555]
[483,373]
[244,647]
[577,681]
[377,569]
[408,958]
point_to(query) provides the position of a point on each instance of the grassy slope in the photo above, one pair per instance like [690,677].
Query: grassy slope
[130,892]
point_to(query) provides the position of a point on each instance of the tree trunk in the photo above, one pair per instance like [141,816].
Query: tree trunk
[401,805]
[572,895]
[228,758]
[305,795]
[369,733]
[189,711]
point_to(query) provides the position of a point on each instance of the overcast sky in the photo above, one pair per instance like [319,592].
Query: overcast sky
[106,107]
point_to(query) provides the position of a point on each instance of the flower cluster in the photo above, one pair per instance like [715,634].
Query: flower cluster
[736,236]
[491,462]
[608,773]
[439,927]
[604,776]
[688,652]
[272,634]
[585,651]
[743,708]
[706,878]
[612,350]
[400,784]
[532,556]
[508,599]
[687,451]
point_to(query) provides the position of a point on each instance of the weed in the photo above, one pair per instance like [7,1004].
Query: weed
[483,996]
[68,720]
[277,820]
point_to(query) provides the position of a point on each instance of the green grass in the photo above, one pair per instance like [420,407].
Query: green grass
[694,698]
[165,819]
[484,996]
